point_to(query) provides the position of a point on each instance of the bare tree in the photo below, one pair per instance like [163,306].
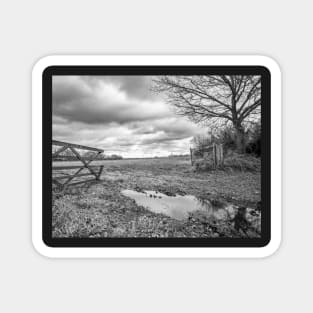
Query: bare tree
[214,99]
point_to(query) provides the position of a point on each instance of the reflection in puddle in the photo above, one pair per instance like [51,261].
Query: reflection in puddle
[178,206]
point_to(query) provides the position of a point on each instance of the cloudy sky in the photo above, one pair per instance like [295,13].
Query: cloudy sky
[119,114]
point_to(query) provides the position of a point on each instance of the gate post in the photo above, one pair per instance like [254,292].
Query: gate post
[218,155]
[191,156]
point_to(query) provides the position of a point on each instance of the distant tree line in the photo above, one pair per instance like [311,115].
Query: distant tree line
[172,155]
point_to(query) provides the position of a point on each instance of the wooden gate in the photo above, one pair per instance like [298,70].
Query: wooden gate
[215,151]
[63,175]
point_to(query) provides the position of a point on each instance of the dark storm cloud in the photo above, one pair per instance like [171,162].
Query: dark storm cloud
[118,114]
[162,138]
[167,129]
[95,101]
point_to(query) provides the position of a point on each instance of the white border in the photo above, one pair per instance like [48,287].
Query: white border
[38,69]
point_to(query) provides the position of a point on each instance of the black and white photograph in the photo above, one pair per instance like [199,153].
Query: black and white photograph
[156,156]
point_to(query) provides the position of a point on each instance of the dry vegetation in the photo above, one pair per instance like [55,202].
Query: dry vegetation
[233,162]
[100,210]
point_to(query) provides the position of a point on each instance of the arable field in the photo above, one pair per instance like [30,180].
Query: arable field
[101,209]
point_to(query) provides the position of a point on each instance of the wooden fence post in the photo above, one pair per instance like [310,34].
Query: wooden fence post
[218,155]
[191,156]
[221,155]
[214,155]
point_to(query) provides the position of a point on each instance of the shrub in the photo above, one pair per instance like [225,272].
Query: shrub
[227,137]
[232,161]
[254,142]
[254,147]
[242,162]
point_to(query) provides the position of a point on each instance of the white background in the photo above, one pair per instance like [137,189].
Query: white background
[32,29]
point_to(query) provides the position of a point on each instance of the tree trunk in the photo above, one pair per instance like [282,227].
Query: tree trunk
[240,140]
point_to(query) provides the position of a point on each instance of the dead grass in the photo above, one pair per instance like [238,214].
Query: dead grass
[232,162]
[242,162]
[102,211]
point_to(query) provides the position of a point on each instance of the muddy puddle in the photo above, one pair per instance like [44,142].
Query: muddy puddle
[179,207]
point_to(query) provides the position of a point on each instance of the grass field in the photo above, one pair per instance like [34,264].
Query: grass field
[100,210]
